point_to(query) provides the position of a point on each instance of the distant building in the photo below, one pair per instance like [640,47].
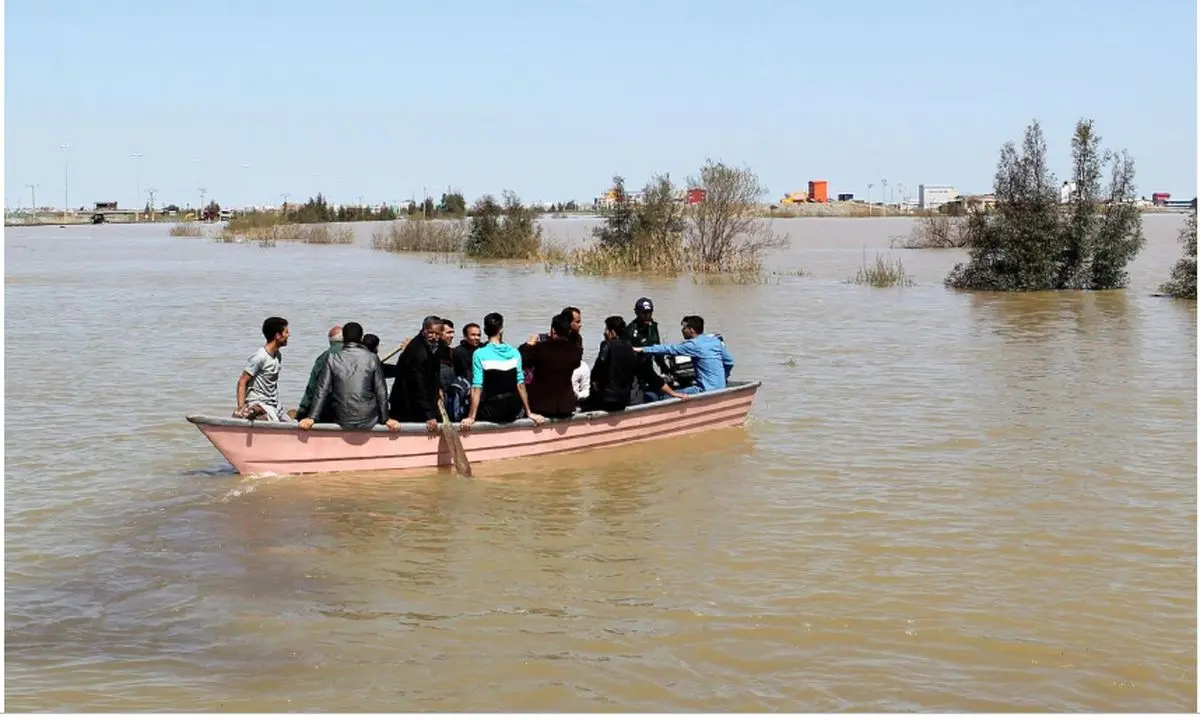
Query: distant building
[1067,190]
[818,191]
[932,197]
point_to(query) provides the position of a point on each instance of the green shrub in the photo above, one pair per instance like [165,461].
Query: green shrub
[1033,242]
[1183,276]
[508,231]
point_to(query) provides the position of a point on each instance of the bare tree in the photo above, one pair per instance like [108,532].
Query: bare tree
[724,231]
[936,231]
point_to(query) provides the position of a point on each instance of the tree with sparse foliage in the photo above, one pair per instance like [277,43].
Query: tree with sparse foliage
[1033,242]
[942,230]
[724,232]
[617,229]
[1183,276]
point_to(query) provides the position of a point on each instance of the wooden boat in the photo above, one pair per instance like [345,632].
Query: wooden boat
[267,447]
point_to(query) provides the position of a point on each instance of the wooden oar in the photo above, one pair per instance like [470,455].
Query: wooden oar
[461,464]
[395,350]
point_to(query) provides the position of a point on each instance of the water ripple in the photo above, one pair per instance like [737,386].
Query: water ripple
[942,502]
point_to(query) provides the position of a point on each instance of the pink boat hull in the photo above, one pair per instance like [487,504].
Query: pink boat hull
[263,447]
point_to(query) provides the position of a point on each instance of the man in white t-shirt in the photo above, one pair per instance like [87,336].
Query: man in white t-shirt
[258,386]
[581,380]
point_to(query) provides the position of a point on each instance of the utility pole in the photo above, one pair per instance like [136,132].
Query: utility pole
[137,178]
[66,177]
[33,195]
[883,196]
[151,192]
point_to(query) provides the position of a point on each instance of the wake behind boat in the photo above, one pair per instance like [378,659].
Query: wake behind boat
[254,446]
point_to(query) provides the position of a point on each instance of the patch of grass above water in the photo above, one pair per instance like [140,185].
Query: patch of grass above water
[422,236]
[267,235]
[186,230]
[885,273]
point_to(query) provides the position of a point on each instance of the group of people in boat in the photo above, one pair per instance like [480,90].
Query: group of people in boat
[483,378]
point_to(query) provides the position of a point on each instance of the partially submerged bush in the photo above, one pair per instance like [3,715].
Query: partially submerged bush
[936,231]
[1032,242]
[641,237]
[186,230]
[508,231]
[254,221]
[885,273]
[721,235]
[1183,276]
[422,236]
[322,234]
[315,234]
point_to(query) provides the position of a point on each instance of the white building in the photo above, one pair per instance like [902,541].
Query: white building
[932,197]
[1067,190]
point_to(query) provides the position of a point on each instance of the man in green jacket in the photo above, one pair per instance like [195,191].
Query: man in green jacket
[335,345]
[642,332]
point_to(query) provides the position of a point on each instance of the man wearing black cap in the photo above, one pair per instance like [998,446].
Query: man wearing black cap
[643,331]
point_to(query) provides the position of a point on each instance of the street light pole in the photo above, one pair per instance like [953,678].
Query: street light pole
[66,177]
[883,196]
[33,195]
[869,186]
[202,192]
[137,178]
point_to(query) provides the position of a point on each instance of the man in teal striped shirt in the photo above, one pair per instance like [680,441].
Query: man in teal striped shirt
[497,380]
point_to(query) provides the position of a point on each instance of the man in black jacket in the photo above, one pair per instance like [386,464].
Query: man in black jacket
[618,375]
[414,395]
[352,383]
[614,373]
[458,390]
[465,352]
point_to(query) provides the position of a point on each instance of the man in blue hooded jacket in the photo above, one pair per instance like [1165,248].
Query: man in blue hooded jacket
[710,358]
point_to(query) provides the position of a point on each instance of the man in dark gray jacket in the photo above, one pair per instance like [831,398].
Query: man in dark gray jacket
[352,383]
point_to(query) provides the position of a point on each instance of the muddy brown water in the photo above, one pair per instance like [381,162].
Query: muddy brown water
[942,501]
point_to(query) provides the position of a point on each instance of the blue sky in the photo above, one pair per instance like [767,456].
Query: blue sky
[258,98]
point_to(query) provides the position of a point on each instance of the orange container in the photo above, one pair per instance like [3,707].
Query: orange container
[818,191]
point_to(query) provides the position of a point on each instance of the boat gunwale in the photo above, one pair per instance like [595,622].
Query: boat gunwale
[734,387]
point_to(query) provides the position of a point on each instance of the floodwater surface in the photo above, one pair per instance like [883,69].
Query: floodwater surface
[941,501]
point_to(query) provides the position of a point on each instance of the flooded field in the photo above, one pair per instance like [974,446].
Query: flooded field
[941,502]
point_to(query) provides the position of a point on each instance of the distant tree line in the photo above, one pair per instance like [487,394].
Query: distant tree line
[318,210]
